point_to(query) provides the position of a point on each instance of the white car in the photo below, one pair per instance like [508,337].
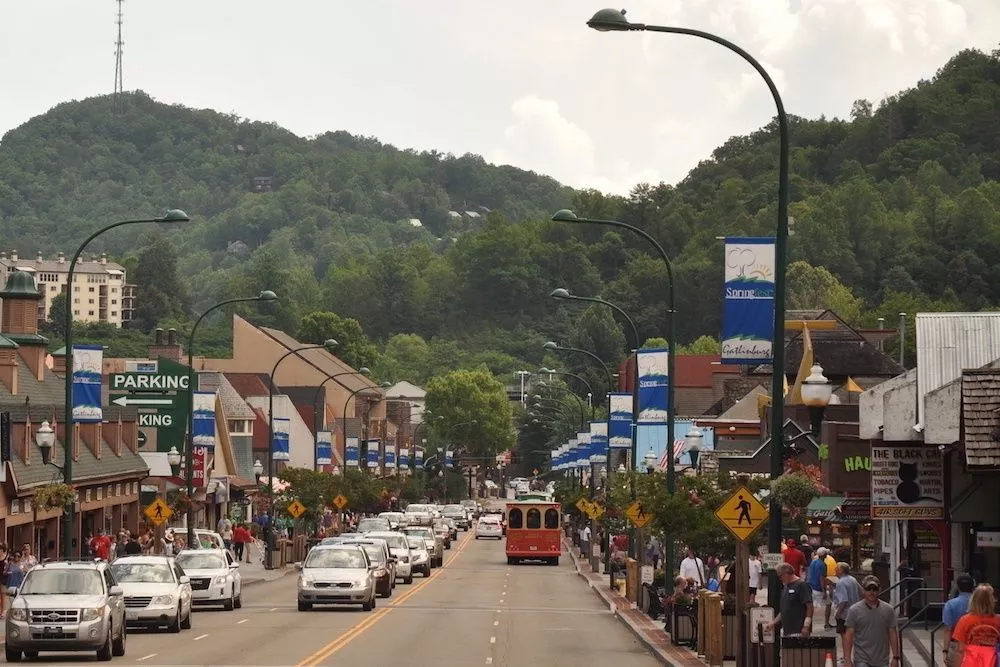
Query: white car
[489,526]
[215,577]
[420,557]
[157,592]
[399,548]
[336,574]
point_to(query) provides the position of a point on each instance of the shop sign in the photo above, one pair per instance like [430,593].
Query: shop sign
[857,463]
[907,483]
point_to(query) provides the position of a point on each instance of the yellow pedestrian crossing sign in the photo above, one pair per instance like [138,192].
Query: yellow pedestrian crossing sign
[638,514]
[742,513]
[158,512]
[596,511]
[340,501]
[583,505]
[296,509]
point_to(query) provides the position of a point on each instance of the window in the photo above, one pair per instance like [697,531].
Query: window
[90,289]
[53,288]
[90,312]
[114,302]
[114,313]
[240,427]
[534,518]
[551,518]
[90,301]
[76,312]
[515,520]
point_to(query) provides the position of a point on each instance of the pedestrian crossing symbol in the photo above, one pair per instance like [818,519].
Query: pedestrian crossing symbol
[158,512]
[340,501]
[742,513]
[296,509]
[638,514]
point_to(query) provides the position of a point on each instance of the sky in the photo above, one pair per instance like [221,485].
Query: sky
[521,82]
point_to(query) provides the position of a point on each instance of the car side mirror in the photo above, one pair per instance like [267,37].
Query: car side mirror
[373,566]
[185,579]
[12,591]
[234,566]
[116,591]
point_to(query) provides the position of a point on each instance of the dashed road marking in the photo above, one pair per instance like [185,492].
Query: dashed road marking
[199,637]
[146,657]
[242,622]
[489,660]
[493,640]
[496,623]
[273,609]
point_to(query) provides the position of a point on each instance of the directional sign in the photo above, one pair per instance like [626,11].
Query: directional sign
[296,509]
[742,513]
[340,501]
[146,382]
[638,514]
[159,391]
[158,512]
[127,400]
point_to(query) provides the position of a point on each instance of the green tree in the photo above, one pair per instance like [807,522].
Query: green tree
[354,349]
[55,324]
[464,396]
[816,288]
[159,290]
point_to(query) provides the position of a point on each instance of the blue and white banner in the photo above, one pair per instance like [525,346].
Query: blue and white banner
[390,456]
[620,424]
[404,457]
[583,449]
[449,460]
[748,307]
[418,458]
[598,442]
[653,381]
[203,423]
[352,452]
[282,427]
[88,377]
[373,453]
[324,448]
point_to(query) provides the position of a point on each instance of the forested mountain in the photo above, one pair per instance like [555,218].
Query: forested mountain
[896,209]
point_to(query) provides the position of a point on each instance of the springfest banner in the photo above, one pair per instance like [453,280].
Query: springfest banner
[620,424]
[404,457]
[418,458]
[282,427]
[203,423]
[653,364]
[390,456]
[598,442]
[748,307]
[449,458]
[373,453]
[352,452]
[88,377]
[324,448]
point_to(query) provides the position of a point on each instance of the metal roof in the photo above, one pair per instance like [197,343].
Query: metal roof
[948,343]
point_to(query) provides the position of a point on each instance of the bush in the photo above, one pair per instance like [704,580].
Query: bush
[794,491]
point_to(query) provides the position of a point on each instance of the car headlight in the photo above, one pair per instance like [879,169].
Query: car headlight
[164,600]
[18,614]
[221,580]
[91,614]
[305,582]
[360,583]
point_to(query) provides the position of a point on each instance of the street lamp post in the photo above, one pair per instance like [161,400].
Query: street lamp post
[583,409]
[614,20]
[318,416]
[362,460]
[172,216]
[329,345]
[266,295]
[551,371]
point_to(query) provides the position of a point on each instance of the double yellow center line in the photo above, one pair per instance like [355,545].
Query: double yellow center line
[374,617]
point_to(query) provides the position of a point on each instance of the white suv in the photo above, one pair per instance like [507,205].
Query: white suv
[215,577]
[489,526]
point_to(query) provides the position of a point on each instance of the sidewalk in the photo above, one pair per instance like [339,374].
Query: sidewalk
[254,572]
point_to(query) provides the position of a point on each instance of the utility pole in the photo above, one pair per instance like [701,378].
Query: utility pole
[119,94]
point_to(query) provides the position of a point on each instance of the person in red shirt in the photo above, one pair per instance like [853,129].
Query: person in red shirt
[100,545]
[794,557]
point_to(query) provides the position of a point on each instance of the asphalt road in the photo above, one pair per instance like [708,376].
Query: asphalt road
[476,610]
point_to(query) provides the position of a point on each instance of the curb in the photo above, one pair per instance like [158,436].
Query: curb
[638,634]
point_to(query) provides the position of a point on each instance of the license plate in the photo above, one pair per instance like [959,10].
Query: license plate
[52,632]
[131,615]
[532,548]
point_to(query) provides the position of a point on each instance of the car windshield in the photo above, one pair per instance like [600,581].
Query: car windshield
[375,553]
[416,543]
[336,558]
[425,533]
[152,573]
[195,561]
[394,541]
[419,508]
[372,524]
[454,509]
[40,581]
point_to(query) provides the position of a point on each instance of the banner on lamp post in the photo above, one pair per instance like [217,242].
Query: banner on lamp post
[324,448]
[449,458]
[203,421]
[390,456]
[404,457]
[352,452]
[620,423]
[748,305]
[653,381]
[373,453]
[88,378]
[281,428]
[598,442]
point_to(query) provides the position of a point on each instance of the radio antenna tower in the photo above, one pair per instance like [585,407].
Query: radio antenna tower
[119,96]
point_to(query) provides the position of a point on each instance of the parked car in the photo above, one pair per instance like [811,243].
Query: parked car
[157,592]
[371,523]
[396,520]
[66,606]
[398,547]
[336,574]
[214,576]
[442,530]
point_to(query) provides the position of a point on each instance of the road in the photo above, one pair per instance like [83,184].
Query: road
[476,610]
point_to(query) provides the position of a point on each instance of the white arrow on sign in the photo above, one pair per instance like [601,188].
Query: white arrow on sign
[127,400]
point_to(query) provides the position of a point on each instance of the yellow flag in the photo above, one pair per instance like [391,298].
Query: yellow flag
[784,381]
[852,386]
[805,367]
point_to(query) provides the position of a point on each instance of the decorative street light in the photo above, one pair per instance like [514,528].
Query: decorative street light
[174,459]
[172,216]
[551,371]
[258,470]
[650,461]
[45,438]
[266,295]
[817,393]
[614,20]
[693,439]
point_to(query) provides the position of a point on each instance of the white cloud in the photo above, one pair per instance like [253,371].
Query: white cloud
[540,133]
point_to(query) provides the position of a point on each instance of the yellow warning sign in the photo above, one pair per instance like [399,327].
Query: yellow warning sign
[296,509]
[742,513]
[340,501]
[158,512]
[638,514]
[583,505]
[596,511]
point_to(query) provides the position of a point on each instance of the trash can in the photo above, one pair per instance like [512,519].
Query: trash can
[807,651]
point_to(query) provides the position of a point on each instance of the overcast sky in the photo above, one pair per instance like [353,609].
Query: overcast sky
[522,82]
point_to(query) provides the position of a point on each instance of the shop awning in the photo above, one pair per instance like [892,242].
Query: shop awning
[824,508]
[856,509]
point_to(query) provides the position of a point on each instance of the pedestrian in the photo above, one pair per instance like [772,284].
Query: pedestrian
[241,537]
[795,557]
[829,582]
[954,610]
[585,540]
[977,633]
[795,611]
[168,542]
[692,567]
[132,546]
[4,569]
[225,529]
[653,551]
[846,592]
[28,560]
[871,636]
[100,545]
[756,571]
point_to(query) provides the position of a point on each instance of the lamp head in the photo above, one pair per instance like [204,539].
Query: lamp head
[609,20]
[621,470]
[546,371]
[45,438]
[174,215]
[385,385]
[173,457]
[565,215]
[330,344]
[693,438]
[267,295]
[550,345]
[816,389]
[650,459]
[560,293]
[364,370]
[258,468]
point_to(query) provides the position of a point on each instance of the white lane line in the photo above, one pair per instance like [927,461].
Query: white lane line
[493,640]
[146,657]
[199,638]
[489,660]
[504,593]
[242,622]
[273,609]
[496,623]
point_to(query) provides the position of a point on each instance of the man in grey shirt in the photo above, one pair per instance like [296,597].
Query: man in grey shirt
[796,610]
[871,634]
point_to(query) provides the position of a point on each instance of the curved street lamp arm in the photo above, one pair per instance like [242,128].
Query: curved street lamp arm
[635,330]
[600,362]
[583,409]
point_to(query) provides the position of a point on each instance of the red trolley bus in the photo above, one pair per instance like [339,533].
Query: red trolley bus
[533,532]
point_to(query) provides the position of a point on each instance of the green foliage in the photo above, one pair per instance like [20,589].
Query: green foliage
[464,396]
[159,291]
[354,347]
[794,490]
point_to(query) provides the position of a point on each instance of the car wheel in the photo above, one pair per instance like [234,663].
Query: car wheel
[118,647]
[477,537]
[305,606]
[427,571]
[229,604]
[12,655]
[175,625]
[239,600]
[408,580]
[369,605]
[104,653]
[186,623]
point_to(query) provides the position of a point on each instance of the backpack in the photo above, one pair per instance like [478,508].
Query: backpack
[984,651]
